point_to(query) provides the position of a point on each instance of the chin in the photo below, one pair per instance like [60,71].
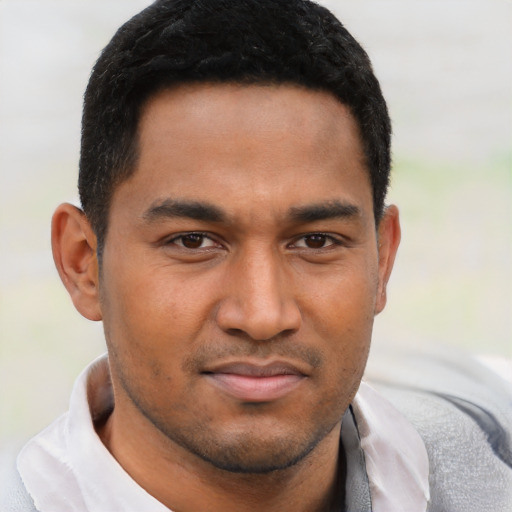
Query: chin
[250,453]
[243,461]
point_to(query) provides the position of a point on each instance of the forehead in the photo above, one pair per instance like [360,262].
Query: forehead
[247,145]
[313,117]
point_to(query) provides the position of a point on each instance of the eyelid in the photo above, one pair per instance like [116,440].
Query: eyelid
[335,240]
[170,240]
[332,239]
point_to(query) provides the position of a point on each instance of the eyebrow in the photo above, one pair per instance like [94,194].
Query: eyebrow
[323,211]
[170,208]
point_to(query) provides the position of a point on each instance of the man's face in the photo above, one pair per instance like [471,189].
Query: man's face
[240,272]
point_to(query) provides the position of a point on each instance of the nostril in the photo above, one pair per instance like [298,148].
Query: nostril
[236,332]
[241,334]
[287,332]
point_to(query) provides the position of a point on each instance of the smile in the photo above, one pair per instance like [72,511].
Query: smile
[254,383]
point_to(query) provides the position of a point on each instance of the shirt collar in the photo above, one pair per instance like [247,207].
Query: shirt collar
[69,455]
[395,456]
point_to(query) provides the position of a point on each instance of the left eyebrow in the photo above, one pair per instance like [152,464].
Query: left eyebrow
[323,211]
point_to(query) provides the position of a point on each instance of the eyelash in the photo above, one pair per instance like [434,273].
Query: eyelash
[333,241]
[203,236]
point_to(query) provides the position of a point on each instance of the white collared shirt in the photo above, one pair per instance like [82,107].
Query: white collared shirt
[66,468]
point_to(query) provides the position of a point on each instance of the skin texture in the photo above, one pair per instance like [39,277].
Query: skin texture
[244,239]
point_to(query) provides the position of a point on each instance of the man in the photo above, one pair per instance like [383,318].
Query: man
[235,243]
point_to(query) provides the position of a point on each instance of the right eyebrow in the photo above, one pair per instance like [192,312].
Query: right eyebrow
[171,208]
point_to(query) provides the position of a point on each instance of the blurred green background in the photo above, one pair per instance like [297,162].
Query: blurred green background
[446,70]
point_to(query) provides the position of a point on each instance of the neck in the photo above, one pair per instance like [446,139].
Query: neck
[183,482]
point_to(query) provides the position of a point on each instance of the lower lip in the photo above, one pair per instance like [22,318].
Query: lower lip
[255,389]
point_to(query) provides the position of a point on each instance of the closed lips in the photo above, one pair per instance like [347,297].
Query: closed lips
[256,383]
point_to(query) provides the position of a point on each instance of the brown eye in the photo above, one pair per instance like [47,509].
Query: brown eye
[316,241]
[193,241]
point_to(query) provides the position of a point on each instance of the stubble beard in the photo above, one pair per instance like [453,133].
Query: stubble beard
[250,449]
[245,452]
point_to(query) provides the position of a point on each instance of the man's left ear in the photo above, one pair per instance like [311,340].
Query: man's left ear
[388,241]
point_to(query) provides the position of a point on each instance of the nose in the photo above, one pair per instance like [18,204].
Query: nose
[259,299]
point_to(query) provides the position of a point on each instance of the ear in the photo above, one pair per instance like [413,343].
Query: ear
[74,252]
[388,240]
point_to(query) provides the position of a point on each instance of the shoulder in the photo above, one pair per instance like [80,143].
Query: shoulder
[470,465]
[463,412]
[14,496]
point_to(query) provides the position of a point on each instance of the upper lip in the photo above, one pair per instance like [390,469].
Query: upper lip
[257,369]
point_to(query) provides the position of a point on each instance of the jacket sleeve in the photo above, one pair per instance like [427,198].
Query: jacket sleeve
[14,496]
[463,412]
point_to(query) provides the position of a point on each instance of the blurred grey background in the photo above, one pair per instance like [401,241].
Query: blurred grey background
[446,70]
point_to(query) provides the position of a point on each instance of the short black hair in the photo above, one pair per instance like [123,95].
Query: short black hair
[173,42]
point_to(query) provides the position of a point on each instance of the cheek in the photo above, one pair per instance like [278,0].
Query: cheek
[343,302]
[153,304]
[341,312]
